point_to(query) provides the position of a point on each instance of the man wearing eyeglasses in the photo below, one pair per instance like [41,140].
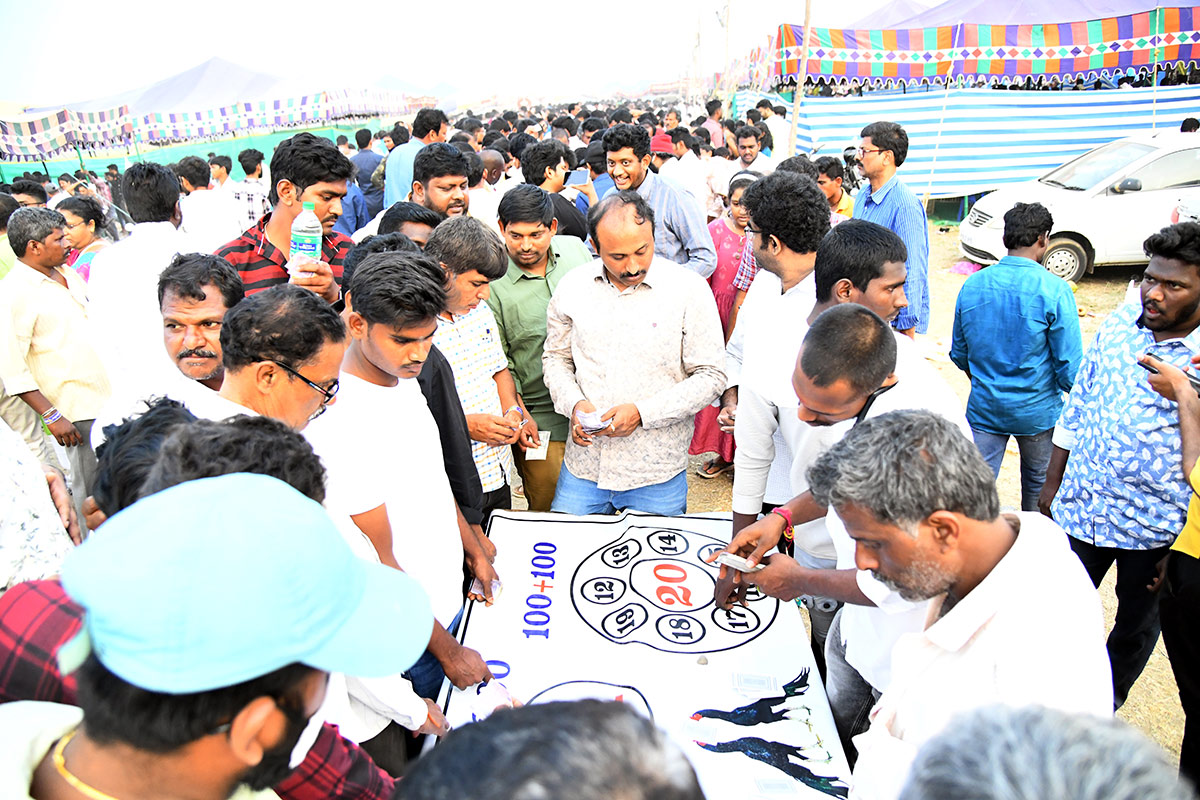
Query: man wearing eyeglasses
[890,203]
[282,350]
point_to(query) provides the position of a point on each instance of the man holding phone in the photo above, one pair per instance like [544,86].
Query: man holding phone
[545,165]
[1114,482]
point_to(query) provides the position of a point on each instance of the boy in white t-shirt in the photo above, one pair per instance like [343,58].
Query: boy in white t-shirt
[378,442]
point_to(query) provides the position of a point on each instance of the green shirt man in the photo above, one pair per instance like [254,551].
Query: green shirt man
[537,261]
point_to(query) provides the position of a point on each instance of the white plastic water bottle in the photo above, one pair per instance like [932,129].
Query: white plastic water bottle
[306,235]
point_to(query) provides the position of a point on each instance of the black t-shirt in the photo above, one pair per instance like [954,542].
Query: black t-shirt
[570,221]
[437,384]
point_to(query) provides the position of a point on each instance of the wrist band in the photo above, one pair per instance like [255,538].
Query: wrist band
[51,416]
[514,408]
[787,519]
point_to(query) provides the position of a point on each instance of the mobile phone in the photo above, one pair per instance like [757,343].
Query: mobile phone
[1192,379]
[737,562]
[577,176]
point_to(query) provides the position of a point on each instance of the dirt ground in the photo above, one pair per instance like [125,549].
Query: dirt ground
[1153,705]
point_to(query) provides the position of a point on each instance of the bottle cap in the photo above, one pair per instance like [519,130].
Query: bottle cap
[308,206]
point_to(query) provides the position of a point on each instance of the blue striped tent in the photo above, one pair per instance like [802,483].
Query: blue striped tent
[968,141]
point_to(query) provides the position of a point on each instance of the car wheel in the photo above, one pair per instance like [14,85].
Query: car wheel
[1066,258]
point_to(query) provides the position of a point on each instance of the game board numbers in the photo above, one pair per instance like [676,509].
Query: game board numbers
[668,543]
[621,553]
[625,621]
[707,550]
[670,595]
[736,619]
[603,591]
[680,629]
[649,585]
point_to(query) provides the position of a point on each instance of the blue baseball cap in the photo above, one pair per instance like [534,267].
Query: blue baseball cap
[218,581]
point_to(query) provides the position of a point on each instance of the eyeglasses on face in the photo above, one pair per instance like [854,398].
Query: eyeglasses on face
[326,393]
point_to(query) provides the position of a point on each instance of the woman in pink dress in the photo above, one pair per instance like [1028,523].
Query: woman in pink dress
[85,222]
[729,237]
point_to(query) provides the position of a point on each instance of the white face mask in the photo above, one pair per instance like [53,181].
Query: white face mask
[308,737]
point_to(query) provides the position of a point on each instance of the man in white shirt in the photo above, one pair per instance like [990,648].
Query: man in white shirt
[633,351]
[750,154]
[251,193]
[403,505]
[921,506]
[777,124]
[48,358]
[123,287]
[686,169]
[210,218]
[194,292]
[848,370]
[219,168]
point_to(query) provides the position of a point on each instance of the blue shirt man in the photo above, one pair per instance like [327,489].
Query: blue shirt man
[1114,482]
[888,202]
[428,127]
[354,211]
[1016,335]
[365,162]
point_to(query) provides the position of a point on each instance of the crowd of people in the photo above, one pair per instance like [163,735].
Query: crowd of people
[248,489]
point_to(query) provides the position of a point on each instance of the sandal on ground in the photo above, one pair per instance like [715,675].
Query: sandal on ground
[707,472]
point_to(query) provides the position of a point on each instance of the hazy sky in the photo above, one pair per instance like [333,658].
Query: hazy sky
[481,48]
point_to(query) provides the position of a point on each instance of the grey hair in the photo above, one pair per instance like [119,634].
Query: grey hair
[903,466]
[585,750]
[32,225]
[1004,753]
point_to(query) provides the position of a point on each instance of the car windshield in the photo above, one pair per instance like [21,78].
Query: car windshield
[1098,165]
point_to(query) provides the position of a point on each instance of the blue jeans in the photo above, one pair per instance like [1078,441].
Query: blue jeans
[577,496]
[427,674]
[1035,458]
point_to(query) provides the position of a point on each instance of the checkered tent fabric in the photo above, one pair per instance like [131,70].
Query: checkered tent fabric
[1087,49]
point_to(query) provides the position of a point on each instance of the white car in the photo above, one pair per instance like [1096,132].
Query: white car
[1104,203]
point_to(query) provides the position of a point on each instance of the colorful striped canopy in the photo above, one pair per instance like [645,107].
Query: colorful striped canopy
[988,53]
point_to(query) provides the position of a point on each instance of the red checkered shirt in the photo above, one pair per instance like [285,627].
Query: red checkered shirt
[37,618]
[261,264]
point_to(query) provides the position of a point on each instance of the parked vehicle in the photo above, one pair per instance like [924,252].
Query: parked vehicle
[1105,203]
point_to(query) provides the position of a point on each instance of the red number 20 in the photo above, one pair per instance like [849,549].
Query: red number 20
[670,595]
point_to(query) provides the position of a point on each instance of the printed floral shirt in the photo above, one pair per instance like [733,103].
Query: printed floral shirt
[1123,486]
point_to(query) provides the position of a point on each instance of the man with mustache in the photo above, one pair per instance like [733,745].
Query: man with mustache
[848,370]
[634,349]
[194,293]
[304,169]
[440,180]
[920,505]
[1114,482]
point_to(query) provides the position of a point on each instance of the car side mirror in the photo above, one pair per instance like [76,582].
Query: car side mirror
[1127,185]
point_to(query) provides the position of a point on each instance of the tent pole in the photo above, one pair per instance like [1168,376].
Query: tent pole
[1159,24]
[800,79]
[937,142]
